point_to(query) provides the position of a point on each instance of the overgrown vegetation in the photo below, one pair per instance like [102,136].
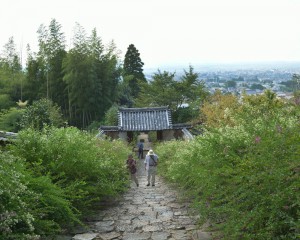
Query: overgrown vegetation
[50,177]
[243,173]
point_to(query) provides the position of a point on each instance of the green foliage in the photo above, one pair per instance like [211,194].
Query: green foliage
[11,76]
[125,97]
[5,101]
[49,178]
[111,116]
[164,90]
[85,167]
[48,74]
[91,75]
[40,114]
[158,92]
[185,114]
[82,81]
[52,210]
[244,177]
[9,119]
[257,86]
[16,219]
[230,84]
[30,205]
[93,128]
[216,108]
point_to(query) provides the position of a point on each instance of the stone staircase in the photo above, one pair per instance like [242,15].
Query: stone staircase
[144,213]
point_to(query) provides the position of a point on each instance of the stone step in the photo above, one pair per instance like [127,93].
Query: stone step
[143,212]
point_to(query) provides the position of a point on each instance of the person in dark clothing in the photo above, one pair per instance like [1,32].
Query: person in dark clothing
[131,165]
[141,150]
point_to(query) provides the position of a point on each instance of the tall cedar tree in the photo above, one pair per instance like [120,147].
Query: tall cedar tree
[133,70]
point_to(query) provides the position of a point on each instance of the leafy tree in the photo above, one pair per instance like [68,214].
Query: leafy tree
[287,86]
[191,93]
[10,118]
[164,90]
[257,86]
[111,116]
[124,94]
[160,91]
[230,84]
[190,88]
[5,101]
[215,109]
[40,113]
[133,70]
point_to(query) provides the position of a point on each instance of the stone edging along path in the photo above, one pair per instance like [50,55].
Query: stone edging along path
[144,213]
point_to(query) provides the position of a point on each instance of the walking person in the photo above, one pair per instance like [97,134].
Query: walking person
[141,150]
[150,167]
[131,165]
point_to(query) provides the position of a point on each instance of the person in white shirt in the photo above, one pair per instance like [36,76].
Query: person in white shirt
[151,161]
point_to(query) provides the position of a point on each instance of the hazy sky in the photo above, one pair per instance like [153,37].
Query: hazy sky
[168,31]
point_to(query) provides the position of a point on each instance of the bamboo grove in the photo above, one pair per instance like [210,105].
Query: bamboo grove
[82,80]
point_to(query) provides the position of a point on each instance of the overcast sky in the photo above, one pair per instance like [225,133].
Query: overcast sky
[168,31]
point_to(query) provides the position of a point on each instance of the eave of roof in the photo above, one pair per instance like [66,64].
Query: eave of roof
[109,128]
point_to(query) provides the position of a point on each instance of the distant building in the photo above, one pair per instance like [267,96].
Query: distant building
[144,120]
[7,137]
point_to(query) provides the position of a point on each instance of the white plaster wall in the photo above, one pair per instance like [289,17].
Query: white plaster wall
[123,135]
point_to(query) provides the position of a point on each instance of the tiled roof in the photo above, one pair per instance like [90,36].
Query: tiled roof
[7,136]
[144,119]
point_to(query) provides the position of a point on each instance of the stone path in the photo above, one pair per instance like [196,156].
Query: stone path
[144,213]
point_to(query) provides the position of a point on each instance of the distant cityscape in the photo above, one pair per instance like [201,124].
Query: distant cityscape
[251,78]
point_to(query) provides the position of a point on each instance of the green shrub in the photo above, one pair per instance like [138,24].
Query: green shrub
[62,172]
[243,178]
[5,101]
[9,119]
[30,206]
[85,167]
[16,219]
[41,113]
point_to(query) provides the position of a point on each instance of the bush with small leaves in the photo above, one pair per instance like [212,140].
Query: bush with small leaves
[244,177]
[85,167]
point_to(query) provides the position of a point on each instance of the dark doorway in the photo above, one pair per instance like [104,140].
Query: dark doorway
[129,137]
[159,135]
